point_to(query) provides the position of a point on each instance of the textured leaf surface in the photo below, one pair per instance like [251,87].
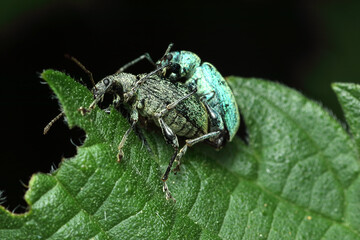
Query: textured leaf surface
[298,177]
[349,98]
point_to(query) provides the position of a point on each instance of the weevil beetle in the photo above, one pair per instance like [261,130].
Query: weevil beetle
[211,87]
[170,105]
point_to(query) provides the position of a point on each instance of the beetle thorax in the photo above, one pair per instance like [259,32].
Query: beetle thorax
[125,81]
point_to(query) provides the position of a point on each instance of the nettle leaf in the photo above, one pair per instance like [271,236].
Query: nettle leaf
[297,178]
[349,98]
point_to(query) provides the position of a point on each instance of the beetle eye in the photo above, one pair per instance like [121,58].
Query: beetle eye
[169,57]
[106,82]
[175,68]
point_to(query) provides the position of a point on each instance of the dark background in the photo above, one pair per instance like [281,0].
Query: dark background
[303,44]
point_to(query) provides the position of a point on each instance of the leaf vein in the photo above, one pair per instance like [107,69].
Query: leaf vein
[308,136]
[272,219]
[228,207]
[198,192]
[131,215]
[80,207]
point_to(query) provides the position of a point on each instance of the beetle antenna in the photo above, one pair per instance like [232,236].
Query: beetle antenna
[168,49]
[48,126]
[77,62]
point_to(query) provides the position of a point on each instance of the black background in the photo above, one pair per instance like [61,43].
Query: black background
[276,40]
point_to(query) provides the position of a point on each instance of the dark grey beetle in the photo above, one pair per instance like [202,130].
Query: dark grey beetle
[170,105]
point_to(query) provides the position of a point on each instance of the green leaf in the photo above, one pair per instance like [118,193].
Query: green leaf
[349,98]
[297,178]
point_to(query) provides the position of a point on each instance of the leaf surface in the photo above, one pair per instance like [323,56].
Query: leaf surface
[297,178]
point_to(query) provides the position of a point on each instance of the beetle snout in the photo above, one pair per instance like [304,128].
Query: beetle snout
[97,92]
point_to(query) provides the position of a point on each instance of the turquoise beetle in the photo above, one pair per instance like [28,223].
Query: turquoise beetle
[212,89]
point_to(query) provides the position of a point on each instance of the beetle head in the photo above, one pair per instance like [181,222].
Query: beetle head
[116,84]
[171,69]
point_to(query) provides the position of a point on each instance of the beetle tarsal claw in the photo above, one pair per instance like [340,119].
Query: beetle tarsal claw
[177,168]
[167,193]
[120,155]
[163,72]
[127,96]
[83,110]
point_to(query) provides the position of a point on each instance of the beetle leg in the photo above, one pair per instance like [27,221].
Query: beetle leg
[216,124]
[207,96]
[172,139]
[167,192]
[132,91]
[141,136]
[134,117]
[190,143]
[173,105]
[144,56]
[133,62]
[215,136]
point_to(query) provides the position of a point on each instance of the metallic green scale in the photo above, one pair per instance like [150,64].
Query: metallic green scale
[211,87]
[223,100]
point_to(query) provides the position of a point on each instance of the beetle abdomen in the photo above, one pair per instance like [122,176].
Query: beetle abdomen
[188,118]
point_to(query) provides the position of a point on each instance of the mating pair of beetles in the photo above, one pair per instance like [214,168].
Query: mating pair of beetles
[182,96]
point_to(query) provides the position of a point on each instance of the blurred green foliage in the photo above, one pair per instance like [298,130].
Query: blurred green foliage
[339,59]
[11,9]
